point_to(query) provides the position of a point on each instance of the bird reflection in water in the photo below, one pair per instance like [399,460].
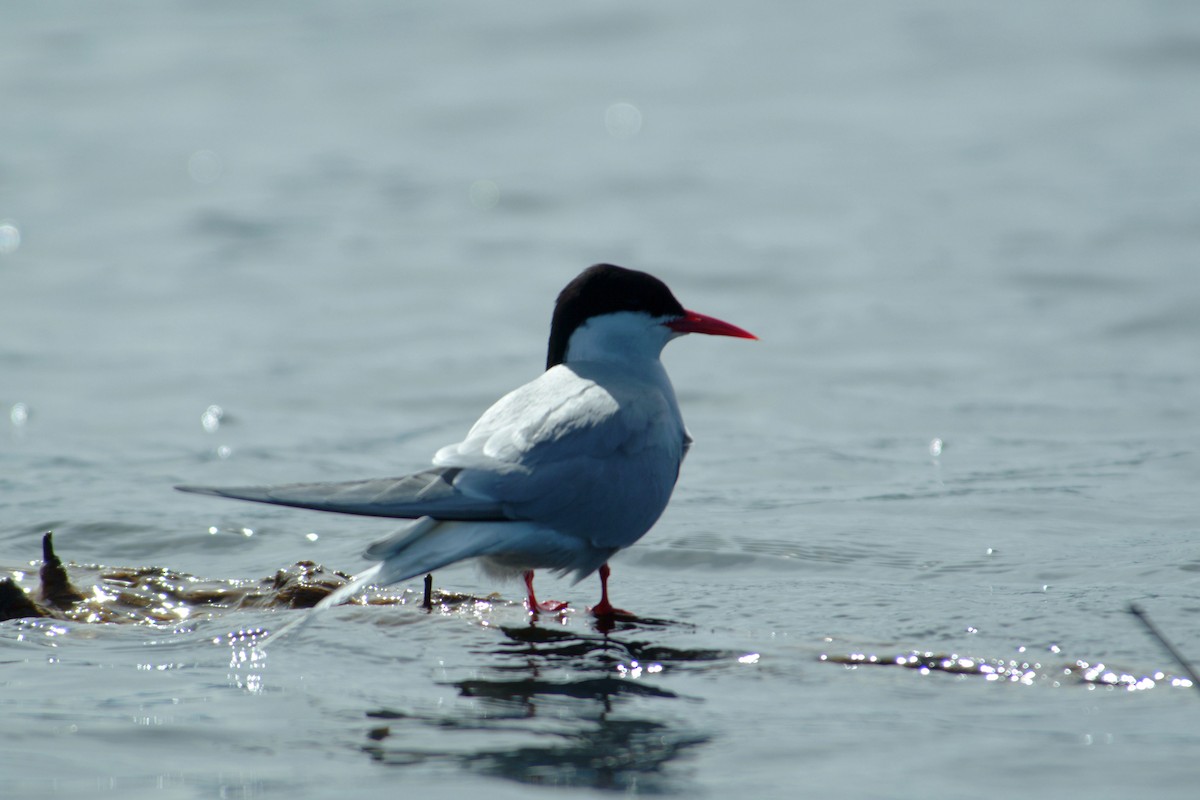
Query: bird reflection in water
[574,708]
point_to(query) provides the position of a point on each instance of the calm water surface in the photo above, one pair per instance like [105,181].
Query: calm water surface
[346,225]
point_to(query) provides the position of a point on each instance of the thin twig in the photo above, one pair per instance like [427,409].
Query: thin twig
[1140,613]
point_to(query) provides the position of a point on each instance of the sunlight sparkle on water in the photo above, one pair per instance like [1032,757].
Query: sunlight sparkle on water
[246,659]
[635,669]
[39,626]
[213,530]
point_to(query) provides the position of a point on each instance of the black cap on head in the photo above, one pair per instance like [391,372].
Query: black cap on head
[605,289]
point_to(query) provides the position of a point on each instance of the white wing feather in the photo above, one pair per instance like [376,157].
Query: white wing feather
[589,450]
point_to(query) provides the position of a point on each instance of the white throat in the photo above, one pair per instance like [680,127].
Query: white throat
[625,336]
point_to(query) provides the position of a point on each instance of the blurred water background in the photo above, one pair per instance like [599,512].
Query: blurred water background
[966,233]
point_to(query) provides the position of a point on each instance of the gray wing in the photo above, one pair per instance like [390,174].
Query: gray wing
[430,493]
[586,450]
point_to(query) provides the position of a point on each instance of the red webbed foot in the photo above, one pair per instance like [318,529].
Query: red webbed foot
[540,606]
[604,609]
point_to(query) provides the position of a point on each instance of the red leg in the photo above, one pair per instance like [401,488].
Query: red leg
[548,607]
[605,608]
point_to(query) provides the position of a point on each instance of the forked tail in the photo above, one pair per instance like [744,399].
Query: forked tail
[425,545]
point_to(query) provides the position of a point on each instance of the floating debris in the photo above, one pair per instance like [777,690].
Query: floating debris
[161,596]
[1180,659]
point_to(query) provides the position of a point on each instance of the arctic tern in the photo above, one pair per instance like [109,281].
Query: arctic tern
[559,474]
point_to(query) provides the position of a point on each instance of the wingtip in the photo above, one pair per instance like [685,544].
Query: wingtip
[198,490]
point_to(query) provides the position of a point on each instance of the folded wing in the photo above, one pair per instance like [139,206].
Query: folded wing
[588,451]
[430,493]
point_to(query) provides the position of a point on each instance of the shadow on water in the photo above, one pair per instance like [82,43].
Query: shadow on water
[589,702]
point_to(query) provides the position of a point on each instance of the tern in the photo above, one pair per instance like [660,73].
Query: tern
[560,473]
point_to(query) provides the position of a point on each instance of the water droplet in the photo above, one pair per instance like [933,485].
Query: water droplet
[484,194]
[312,537]
[18,414]
[10,237]
[935,447]
[204,166]
[623,120]
[210,420]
